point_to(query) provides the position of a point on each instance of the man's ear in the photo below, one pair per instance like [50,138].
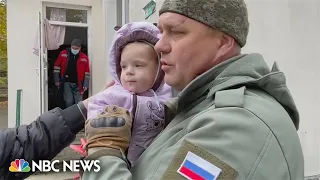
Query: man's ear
[227,44]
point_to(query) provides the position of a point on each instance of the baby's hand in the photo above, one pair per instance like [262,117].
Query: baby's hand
[80,148]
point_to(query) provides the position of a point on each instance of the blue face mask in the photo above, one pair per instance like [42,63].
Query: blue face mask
[75,52]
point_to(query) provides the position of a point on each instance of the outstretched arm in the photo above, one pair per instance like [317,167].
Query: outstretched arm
[42,139]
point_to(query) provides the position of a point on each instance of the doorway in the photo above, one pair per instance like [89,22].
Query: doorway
[71,33]
[59,24]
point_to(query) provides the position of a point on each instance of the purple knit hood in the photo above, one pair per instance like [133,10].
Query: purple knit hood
[133,32]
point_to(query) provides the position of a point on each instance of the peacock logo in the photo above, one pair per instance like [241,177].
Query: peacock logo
[19,165]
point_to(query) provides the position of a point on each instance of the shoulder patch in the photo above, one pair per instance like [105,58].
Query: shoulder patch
[194,163]
[194,167]
[230,98]
[64,55]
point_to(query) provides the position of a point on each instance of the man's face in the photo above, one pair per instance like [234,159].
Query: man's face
[188,49]
[77,48]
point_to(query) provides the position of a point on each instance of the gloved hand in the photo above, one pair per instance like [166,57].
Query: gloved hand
[109,133]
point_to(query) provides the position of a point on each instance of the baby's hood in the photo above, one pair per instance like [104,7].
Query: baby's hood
[133,32]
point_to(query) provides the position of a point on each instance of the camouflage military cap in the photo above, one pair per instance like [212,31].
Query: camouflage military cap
[228,16]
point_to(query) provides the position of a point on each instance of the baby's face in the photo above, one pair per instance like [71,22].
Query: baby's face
[139,66]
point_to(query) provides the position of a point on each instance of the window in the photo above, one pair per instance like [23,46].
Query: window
[66,15]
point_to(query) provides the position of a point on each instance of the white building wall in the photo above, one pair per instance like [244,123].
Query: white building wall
[110,7]
[285,31]
[22,25]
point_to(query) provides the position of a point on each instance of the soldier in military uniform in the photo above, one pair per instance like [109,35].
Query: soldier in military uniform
[233,119]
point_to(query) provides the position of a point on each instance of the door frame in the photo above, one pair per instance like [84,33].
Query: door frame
[43,51]
[41,67]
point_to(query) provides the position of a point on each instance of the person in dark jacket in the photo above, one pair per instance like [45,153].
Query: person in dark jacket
[42,139]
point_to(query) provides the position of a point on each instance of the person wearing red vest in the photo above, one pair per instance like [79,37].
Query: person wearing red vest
[72,73]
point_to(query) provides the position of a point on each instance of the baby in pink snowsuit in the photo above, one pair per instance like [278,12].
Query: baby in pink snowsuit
[139,86]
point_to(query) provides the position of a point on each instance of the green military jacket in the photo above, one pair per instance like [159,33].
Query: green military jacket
[237,121]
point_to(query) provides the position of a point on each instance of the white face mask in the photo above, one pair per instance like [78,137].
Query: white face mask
[75,52]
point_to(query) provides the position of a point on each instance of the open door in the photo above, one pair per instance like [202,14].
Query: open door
[43,77]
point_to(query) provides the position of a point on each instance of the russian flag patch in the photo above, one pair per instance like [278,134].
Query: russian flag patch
[194,167]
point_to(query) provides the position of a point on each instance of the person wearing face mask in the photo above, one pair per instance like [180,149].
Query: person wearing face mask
[72,73]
